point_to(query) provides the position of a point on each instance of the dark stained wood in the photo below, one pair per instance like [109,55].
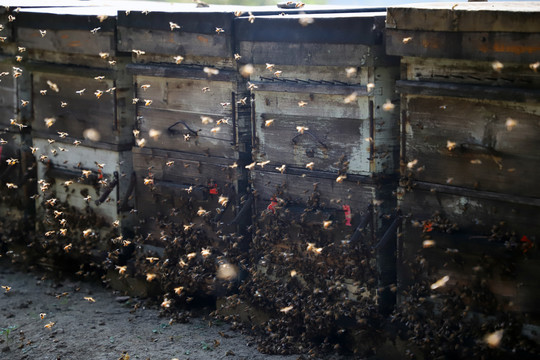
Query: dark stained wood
[487,156]
[451,16]
[302,53]
[297,190]
[467,91]
[184,72]
[201,139]
[501,46]
[294,87]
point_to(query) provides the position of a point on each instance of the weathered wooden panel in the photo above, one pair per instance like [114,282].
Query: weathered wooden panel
[184,131]
[65,162]
[70,110]
[470,72]
[186,94]
[501,46]
[8,94]
[186,32]
[496,17]
[472,143]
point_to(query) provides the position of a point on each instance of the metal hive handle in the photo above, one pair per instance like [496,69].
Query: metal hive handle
[174,132]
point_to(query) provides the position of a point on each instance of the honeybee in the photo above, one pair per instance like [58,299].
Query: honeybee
[237,57]
[219,30]
[340,178]
[87,232]
[406,40]
[281,168]
[102,18]
[12,161]
[173,25]
[95,30]
[388,106]
[62,134]
[80,92]
[43,33]
[263,163]
[152,259]
[178,59]
[301,129]
[6,288]
[178,290]
[242,101]
[497,66]
[310,165]
[286,309]
[251,166]
[76,143]
[104,55]
[268,122]
[205,252]
[450,145]
[440,283]
[138,52]
[148,181]
[170,163]
[89,299]
[145,86]
[510,124]
[206,120]
[269,66]
[100,77]
[150,276]
[327,224]
[223,200]
[42,315]
[98,93]
[278,73]
[302,103]
[121,269]
[68,247]
[201,212]
[166,303]
[215,130]
[50,325]
[147,102]
[63,232]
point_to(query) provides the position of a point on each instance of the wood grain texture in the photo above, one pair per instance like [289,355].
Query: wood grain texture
[465,17]
[186,94]
[68,41]
[490,46]
[487,155]
[174,42]
[191,135]
[75,118]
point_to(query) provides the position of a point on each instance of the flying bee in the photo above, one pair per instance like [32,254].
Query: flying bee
[178,59]
[205,252]
[301,129]
[50,233]
[251,86]
[450,145]
[233,166]
[57,213]
[210,71]
[11,186]
[388,106]
[281,168]
[270,66]
[95,30]
[206,120]
[116,223]
[406,40]
[302,103]
[286,309]
[251,18]
[340,178]
[76,143]
[51,141]
[215,130]
[152,259]
[251,166]
[170,163]
[12,161]
[100,77]
[4,142]
[80,92]
[63,232]
[242,101]
[150,277]
[219,30]
[166,303]
[104,55]
[62,134]
[87,198]
[50,325]
[43,33]
[148,181]
[278,73]
[223,121]
[68,247]
[145,86]
[263,163]
[178,290]
[18,58]
[534,66]
[327,224]
[497,66]
[89,299]
[173,25]
[87,232]
[201,212]
[98,93]
[310,165]
[43,92]
[138,52]
[237,57]
[510,124]
[269,122]
[147,102]
[42,315]
[440,283]
[223,200]
[121,269]
[86,173]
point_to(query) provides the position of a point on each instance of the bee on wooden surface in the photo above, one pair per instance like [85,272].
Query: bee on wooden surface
[301,129]
[50,325]
[178,59]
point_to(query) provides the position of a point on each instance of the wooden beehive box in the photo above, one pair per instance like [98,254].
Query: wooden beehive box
[71,65]
[326,73]
[469,124]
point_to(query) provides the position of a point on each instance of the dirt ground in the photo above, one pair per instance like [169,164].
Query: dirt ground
[77,328]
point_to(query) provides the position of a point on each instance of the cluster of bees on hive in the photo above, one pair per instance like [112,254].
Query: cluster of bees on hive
[319,294]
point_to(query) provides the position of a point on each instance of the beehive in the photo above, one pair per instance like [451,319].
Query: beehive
[82,117]
[469,124]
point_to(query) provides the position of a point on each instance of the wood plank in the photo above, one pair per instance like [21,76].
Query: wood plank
[496,17]
[69,41]
[298,190]
[487,156]
[201,139]
[489,46]
[304,54]
[326,141]
[174,42]
[186,94]
[184,72]
[347,28]
[467,91]
[470,72]
[75,118]
[312,88]
[185,169]
[8,96]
